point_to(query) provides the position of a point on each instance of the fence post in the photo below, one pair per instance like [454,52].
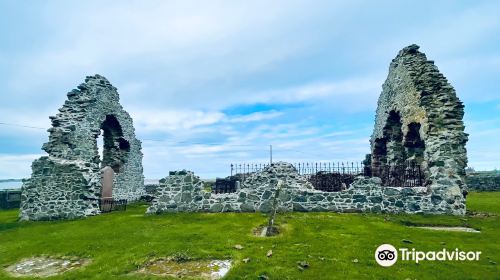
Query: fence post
[419,176]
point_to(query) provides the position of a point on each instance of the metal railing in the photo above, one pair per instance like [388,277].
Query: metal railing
[408,175]
[336,176]
[243,170]
[225,185]
[331,182]
[312,168]
[109,204]
[325,176]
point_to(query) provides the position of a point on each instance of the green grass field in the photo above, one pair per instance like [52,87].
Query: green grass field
[337,246]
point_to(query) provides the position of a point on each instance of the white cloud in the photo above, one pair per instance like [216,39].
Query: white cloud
[16,166]
[295,142]
[178,66]
[24,123]
[181,120]
[253,117]
[173,120]
[350,94]
[181,37]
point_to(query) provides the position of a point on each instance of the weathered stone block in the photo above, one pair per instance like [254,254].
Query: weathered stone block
[247,207]
[359,198]
[266,206]
[376,199]
[298,207]
[217,207]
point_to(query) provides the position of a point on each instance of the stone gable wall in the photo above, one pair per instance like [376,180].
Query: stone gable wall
[66,183]
[419,96]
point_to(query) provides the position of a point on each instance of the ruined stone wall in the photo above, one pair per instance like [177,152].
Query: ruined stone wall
[419,118]
[66,183]
[184,192]
[483,181]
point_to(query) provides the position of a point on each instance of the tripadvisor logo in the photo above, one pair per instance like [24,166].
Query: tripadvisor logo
[387,255]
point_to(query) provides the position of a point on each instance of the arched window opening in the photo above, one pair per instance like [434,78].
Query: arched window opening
[413,143]
[114,147]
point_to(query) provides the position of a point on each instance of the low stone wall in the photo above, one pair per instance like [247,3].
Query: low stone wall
[10,198]
[483,181]
[183,191]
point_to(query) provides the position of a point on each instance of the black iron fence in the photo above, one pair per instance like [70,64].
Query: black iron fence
[408,174]
[336,176]
[331,182]
[109,204]
[325,176]
[243,170]
[330,176]
[312,168]
[304,168]
[226,185]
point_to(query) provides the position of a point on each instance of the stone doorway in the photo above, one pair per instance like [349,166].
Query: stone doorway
[112,157]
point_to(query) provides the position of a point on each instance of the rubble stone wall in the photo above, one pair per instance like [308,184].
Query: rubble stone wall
[419,118]
[184,192]
[483,181]
[66,183]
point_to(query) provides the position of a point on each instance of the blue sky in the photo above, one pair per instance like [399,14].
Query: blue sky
[214,82]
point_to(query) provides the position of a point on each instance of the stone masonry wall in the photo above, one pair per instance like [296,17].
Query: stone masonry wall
[184,192]
[483,181]
[419,118]
[66,183]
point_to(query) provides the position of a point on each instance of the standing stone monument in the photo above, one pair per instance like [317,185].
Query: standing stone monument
[66,184]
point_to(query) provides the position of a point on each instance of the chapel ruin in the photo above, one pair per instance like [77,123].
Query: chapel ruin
[418,128]
[66,184]
[417,161]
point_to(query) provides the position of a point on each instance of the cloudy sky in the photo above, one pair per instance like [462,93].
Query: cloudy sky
[214,82]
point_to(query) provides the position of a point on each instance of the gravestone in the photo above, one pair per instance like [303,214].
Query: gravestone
[107,177]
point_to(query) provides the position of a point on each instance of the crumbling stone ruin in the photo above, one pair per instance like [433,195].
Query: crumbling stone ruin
[184,192]
[66,184]
[419,119]
[483,181]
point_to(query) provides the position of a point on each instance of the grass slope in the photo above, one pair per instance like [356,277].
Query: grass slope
[337,246]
